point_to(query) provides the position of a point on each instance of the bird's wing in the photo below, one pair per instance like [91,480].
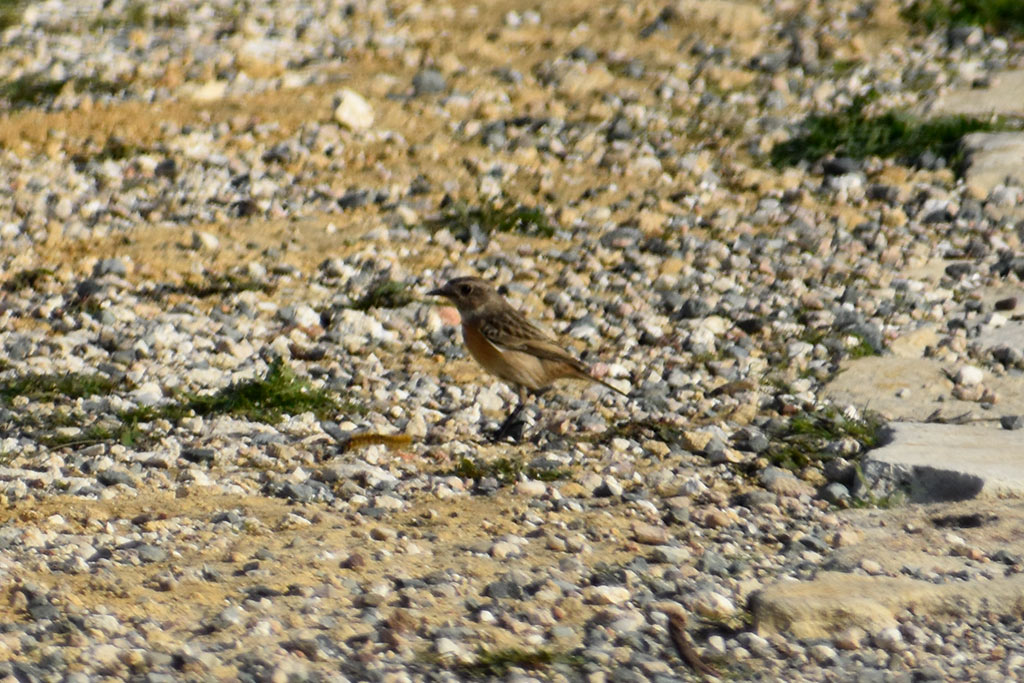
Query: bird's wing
[512,331]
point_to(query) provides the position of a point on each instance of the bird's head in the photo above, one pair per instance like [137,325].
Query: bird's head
[468,294]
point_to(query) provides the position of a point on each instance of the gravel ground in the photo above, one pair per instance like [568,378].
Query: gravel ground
[239,443]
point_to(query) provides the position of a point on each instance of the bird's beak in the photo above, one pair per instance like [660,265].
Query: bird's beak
[440,291]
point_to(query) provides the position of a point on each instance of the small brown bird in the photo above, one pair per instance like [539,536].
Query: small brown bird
[508,345]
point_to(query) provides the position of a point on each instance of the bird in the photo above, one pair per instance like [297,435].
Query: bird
[509,346]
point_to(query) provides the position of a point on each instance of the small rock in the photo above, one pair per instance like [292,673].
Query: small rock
[845,538]
[713,605]
[606,595]
[969,376]
[428,82]
[713,563]
[1007,304]
[850,639]
[609,488]
[670,554]
[202,240]
[503,550]
[784,483]
[1012,422]
[147,394]
[835,493]
[889,639]
[110,266]
[716,645]
[822,654]
[151,553]
[871,566]
[504,588]
[531,488]
[111,477]
[650,534]
[352,110]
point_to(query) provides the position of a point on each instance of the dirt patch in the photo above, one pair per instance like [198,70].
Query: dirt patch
[315,542]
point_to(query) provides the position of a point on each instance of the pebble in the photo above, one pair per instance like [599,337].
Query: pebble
[352,111]
[1012,422]
[969,376]
[428,82]
[822,654]
[531,488]
[204,240]
[650,534]
[670,554]
[714,606]
[889,639]
[607,595]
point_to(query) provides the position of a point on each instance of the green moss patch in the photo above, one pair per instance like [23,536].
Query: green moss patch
[490,216]
[803,439]
[892,134]
[1000,16]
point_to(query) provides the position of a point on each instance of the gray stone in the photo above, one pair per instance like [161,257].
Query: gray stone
[112,477]
[151,553]
[428,82]
[835,492]
[1012,422]
[670,554]
[1010,335]
[110,266]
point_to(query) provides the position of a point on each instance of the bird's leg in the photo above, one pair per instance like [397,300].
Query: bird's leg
[513,425]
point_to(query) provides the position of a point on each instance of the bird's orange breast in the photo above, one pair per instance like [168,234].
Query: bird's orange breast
[515,367]
[483,351]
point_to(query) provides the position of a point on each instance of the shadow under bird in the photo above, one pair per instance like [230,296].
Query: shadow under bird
[509,346]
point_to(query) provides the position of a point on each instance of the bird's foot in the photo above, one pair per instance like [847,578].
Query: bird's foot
[511,429]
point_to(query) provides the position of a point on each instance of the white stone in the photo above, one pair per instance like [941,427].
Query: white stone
[822,654]
[889,639]
[531,488]
[148,394]
[204,240]
[607,595]
[352,110]
[503,550]
[210,91]
[969,376]
[489,400]
[714,605]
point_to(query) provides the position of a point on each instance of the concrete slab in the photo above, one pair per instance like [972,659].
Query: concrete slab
[916,389]
[1011,334]
[1005,96]
[950,541]
[941,462]
[994,159]
[833,602]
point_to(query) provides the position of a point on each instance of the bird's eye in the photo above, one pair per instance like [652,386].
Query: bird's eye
[464,290]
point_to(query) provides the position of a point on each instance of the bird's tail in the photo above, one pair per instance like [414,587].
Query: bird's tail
[587,375]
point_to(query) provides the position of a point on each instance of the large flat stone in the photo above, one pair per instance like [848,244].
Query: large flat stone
[833,602]
[943,462]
